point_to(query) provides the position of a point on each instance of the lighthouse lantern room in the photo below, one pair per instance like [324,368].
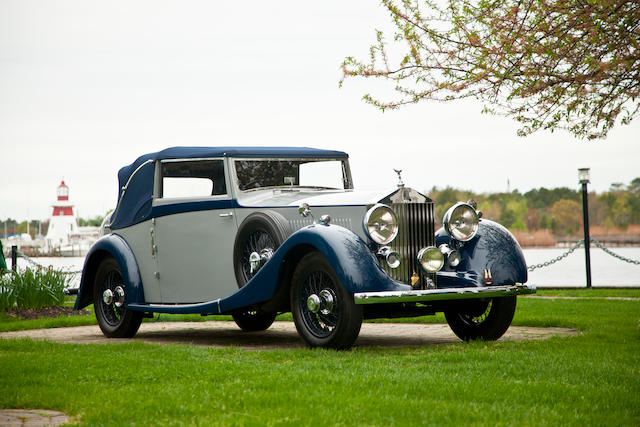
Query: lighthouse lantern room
[63,219]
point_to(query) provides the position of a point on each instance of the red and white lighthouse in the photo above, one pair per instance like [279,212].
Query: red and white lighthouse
[63,220]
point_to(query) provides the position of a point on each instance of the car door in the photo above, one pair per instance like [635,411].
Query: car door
[194,230]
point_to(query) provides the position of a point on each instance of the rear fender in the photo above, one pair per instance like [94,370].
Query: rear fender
[115,247]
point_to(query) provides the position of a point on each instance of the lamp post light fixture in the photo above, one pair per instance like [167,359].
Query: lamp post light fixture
[583,177]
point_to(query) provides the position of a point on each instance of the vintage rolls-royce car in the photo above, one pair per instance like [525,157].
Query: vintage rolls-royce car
[257,231]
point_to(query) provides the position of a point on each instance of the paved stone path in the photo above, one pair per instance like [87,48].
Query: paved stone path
[31,417]
[280,335]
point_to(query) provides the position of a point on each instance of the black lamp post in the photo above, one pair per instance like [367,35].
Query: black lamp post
[583,177]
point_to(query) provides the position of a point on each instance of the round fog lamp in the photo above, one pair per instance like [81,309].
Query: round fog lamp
[431,259]
[453,259]
[461,222]
[452,256]
[393,259]
[381,224]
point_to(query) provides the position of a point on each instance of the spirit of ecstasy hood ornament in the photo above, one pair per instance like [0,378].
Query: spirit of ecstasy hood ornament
[399,172]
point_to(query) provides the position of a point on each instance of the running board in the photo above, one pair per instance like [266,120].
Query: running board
[442,294]
[209,307]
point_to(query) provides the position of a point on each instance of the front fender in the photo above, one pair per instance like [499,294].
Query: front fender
[493,248]
[113,246]
[352,260]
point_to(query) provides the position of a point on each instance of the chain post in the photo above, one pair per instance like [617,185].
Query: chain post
[587,239]
[14,258]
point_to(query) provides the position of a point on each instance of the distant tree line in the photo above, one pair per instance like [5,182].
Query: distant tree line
[558,210]
[15,227]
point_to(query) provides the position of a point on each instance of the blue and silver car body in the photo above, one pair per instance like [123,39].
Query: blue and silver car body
[176,254]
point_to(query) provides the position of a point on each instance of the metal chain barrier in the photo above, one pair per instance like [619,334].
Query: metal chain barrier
[35,264]
[558,258]
[613,254]
[576,246]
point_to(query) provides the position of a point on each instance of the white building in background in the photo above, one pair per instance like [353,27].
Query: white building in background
[64,236]
[63,220]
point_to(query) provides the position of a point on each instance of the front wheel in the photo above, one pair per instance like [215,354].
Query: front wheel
[114,319]
[323,311]
[482,319]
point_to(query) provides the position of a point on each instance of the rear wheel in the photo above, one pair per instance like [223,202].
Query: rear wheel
[253,320]
[324,312]
[114,319]
[483,319]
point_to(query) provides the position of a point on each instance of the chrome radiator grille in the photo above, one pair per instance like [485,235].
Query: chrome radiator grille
[416,231]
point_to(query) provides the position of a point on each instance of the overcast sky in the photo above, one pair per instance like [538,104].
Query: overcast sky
[88,86]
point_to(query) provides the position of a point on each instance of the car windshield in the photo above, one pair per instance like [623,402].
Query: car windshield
[290,173]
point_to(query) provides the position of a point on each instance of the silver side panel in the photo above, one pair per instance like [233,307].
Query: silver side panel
[138,237]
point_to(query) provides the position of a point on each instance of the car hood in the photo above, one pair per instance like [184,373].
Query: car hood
[283,198]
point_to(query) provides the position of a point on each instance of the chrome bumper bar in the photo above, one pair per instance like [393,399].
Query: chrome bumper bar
[443,294]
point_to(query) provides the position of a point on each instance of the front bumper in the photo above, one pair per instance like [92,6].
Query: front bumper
[443,294]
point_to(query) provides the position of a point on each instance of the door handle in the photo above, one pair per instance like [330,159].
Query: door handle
[154,248]
[226,215]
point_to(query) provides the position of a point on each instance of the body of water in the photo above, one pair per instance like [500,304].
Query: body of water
[606,271]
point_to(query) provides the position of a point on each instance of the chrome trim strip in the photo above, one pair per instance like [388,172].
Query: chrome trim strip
[443,294]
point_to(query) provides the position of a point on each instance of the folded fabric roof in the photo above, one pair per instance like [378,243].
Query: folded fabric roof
[137,203]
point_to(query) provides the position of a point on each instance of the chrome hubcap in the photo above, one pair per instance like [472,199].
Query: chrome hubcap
[119,296]
[313,303]
[254,262]
[327,301]
[322,303]
[107,296]
[257,260]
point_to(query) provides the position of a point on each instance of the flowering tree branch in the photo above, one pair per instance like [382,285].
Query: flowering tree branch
[570,64]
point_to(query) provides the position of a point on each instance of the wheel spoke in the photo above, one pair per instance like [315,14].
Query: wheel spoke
[255,242]
[474,319]
[319,324]
[112,315]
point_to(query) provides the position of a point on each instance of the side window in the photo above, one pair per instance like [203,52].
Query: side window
[197,178]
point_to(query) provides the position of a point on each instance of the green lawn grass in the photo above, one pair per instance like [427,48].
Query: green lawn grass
[591,378]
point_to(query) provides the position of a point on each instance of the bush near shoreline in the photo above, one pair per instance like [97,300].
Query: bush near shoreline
[32,289]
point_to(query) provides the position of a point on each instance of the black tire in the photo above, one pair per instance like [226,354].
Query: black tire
[260,230]
[253,320]
[114,321]
[337,327]
[484,319]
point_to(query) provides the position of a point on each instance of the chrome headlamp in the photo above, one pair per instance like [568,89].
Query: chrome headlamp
[431,259]
[381,224]
[461,222]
